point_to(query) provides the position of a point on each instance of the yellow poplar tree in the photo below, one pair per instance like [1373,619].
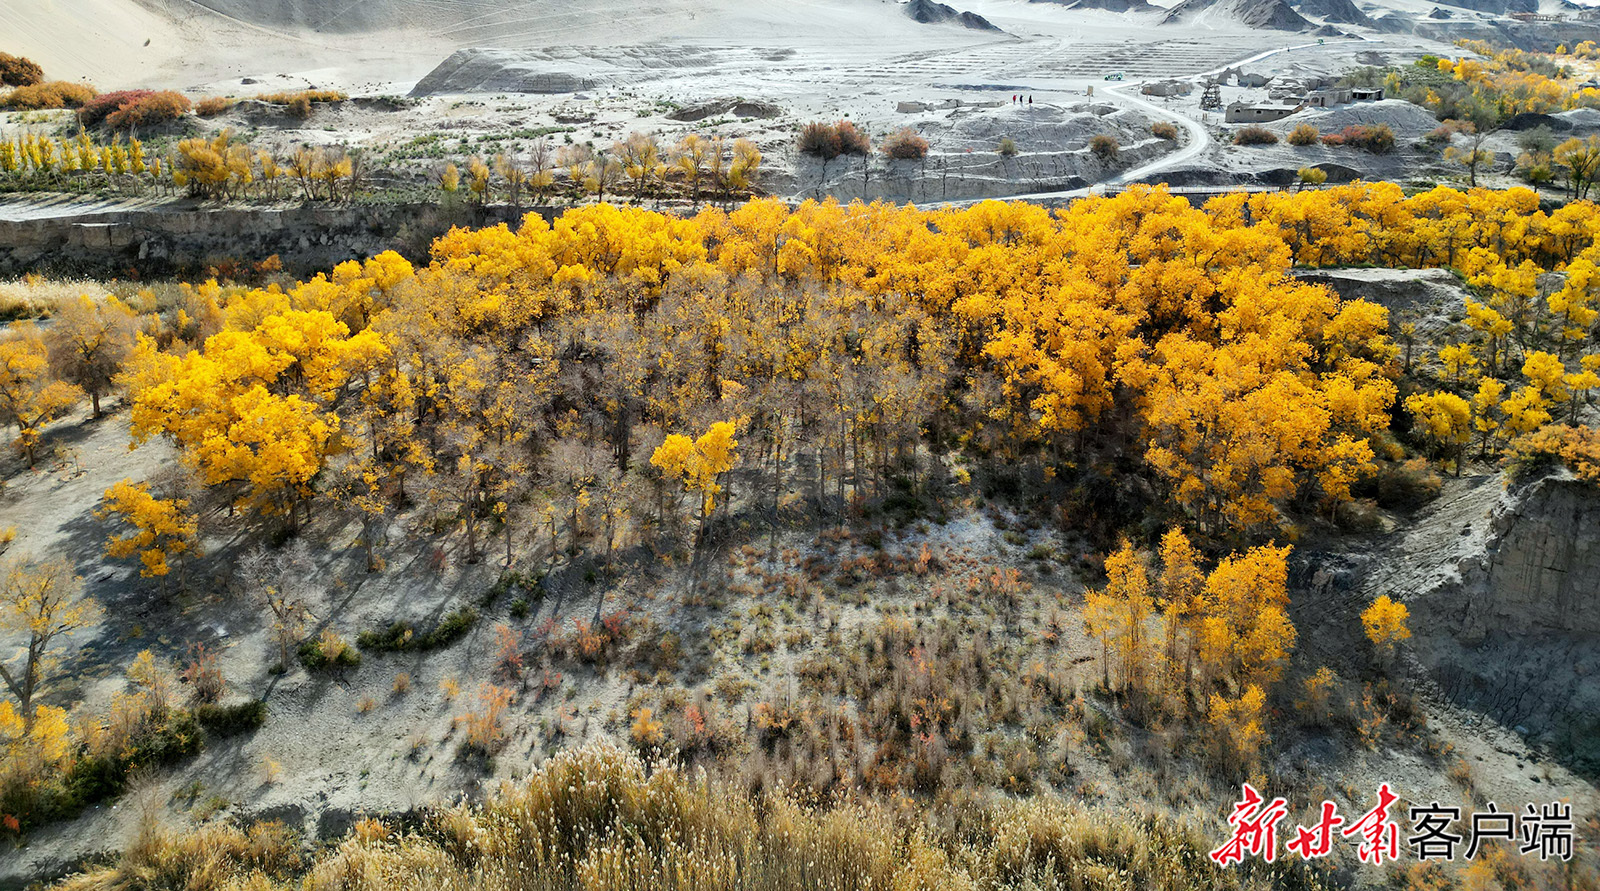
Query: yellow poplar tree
[38,603]
[1182,585]
[1385,624]
[87,340]
[1458,359]
[1119,614]
[29,398]
[699,463]
[156,530]
[1239,727]
[1246,635]
[1445,419]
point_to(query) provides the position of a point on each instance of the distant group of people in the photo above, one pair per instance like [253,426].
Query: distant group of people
[1017,99]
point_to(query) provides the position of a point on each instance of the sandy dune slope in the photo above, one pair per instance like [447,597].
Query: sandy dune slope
[184,43]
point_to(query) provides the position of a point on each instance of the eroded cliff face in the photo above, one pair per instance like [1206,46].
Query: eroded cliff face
[1543,562]
[186,239]
[1514,631]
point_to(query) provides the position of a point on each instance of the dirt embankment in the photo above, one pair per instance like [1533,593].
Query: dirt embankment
[183,239]
[1500,580]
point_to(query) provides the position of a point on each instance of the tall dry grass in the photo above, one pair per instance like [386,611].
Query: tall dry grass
[600,819]
[32,297]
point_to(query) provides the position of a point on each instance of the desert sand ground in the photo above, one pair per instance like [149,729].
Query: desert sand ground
[640,68]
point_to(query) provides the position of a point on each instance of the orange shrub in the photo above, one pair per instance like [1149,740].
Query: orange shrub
[484,726]
[308,95]
[1304,134]
[211,106]
[95,111]
[905,145]
[828,141]
[1255,136]
[1378,139]
[1578,448]
[52,94]
[15,71]
[157,108]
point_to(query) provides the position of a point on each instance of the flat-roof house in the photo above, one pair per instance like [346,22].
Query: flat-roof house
[1249,113]
[1327,98]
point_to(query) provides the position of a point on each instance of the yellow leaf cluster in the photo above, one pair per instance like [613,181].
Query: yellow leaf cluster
[699,463]
[1385,623]
[158,529]
[252,406]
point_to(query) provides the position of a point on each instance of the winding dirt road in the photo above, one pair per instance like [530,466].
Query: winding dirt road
[1198,142]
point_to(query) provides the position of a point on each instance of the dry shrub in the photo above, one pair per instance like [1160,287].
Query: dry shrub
[308,95]
[1406,485]
[485,725]
[148,111]
[213,856]
[299,107]
[203,675]
[17,71]
[1378,139]
[1164,130]
[852,140]
[905,145]
[1576,448]
[1304,134]
[211,106]
[829,141]
[51,94]
[1255,136]
[1104,146]
[646,732]
[593,642]
[1007,148]
[95,111]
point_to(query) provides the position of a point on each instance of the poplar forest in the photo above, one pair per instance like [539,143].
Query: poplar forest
[776,546]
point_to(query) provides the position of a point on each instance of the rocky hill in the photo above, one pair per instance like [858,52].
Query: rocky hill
[1343,12]
[1269,14]
[929,12]
[1108,5]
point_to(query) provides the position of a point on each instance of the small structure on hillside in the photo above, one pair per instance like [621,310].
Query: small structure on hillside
[1364,95]
[1211,99]
[1327,98]
[1168,88]
[1538,17]
[1258,113]
[1245,79]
